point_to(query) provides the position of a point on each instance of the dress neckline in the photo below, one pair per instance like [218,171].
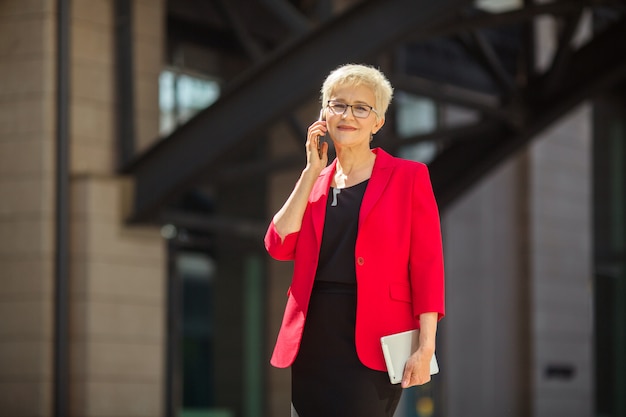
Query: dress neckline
[352,186]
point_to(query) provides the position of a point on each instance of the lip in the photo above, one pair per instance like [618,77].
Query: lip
[345,127]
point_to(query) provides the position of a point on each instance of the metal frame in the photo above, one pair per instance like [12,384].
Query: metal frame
[287,77]
[523,105]
[590,72]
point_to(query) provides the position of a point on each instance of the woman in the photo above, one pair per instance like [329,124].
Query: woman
[365,238]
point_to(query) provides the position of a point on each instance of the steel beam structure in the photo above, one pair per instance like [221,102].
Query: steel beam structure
[459,22]
[472,151]
[229,13]
[526,104]
[233,226]
[271,89]
[591,71]
[490,61]
[288,14]
[487,104]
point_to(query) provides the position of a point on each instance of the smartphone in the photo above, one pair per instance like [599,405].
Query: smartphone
[321,139]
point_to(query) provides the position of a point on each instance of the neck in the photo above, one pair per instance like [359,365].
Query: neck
[353,167]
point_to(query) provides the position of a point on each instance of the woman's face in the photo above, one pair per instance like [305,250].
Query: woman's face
[345,129]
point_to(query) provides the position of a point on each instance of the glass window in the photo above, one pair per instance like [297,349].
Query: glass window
[197,274]
[416,116]
[182,95]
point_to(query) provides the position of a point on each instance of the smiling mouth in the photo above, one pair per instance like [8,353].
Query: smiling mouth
[346,128]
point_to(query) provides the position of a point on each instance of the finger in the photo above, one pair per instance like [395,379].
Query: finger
[407,377]
[315,134]
[317,129]
[312,141]
[324,148]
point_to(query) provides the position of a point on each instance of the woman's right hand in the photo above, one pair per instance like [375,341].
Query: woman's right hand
[289,218]
[316,161]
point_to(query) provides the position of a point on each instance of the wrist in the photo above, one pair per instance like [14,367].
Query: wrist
[310,174]
[427,348]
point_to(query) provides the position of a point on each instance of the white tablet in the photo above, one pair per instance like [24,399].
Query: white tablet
[397,348]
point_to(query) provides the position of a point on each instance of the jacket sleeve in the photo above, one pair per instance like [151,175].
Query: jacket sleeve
[278,248]
[426,267]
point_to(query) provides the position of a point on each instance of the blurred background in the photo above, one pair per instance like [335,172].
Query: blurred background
[145,145]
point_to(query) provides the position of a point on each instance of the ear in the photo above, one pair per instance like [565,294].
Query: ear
[378,125]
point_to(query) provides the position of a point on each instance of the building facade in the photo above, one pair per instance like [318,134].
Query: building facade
[176,313]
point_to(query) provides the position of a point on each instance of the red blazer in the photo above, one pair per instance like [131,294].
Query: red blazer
[398,258]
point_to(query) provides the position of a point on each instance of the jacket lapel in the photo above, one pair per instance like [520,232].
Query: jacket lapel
[318,199]
[383,167]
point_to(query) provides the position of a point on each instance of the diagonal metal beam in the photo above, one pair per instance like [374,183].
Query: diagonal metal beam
[461,23]
[245,171]
[232,226]
[250,45]
[449,136]
[324,10]
[490,61]
[591,72]
[291,16]
[564,51]
[298,130]
[487,104]
[271,89]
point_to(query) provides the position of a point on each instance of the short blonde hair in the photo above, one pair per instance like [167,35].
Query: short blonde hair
[355,75]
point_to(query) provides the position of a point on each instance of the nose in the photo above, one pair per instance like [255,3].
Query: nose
[344,115]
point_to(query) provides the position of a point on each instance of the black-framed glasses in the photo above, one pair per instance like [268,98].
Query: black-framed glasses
[361,111]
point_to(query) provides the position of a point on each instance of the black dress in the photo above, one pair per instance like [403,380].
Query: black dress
[328,379]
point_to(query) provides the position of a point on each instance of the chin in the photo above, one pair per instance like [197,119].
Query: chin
[349,139]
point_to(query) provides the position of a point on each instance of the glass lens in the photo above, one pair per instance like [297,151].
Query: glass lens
[338,108]
[361,111]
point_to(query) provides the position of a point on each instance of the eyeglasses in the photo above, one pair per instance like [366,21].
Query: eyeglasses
[362,111]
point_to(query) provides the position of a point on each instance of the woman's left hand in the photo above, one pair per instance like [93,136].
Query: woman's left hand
[417,368]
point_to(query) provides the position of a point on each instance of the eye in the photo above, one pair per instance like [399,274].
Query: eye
[361,108]
[338,107]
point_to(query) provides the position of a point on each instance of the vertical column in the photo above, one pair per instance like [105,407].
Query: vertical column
[561,296]
[149,45]
[609,213]
[281,142]
[560,231]
[484,344]
[117,272]
[27,91]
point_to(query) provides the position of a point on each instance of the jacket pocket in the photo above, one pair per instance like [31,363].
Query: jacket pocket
[400,292]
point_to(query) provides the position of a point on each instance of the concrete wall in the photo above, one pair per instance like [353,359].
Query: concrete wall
[117,273]
[517,246]
[561,268]
[518,338]
[485,343]
[561,241]
[26,206]
[519,290]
